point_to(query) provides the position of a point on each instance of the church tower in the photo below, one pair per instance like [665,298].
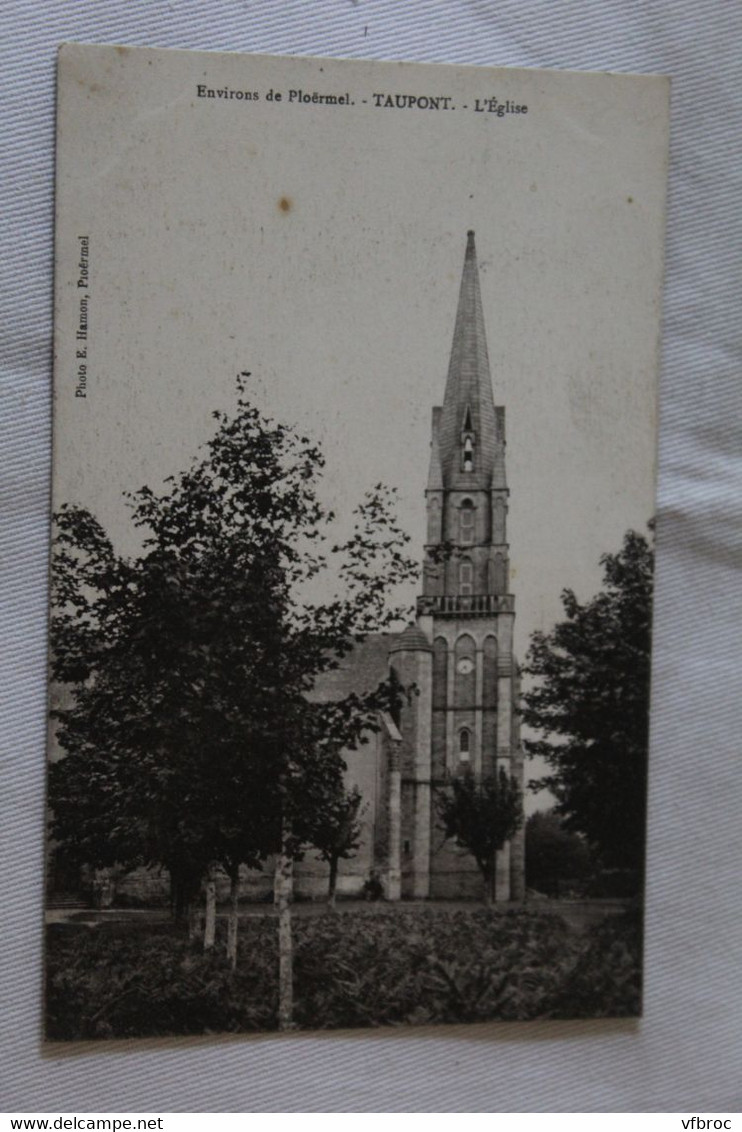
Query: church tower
[457,655]
[462,648]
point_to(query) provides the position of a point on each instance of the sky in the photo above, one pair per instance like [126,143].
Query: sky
[321,247]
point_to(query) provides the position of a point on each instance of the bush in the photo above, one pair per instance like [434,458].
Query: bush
[606,979]
[374,967]
[615,884]
[557,861]
[378,969]
[127,981]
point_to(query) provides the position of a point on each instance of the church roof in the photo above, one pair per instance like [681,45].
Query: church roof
[411,639]
[468,401]
[362,670]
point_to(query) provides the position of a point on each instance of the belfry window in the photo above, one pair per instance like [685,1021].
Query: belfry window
[464,745]
[467,443]
[466,578]
[466,523]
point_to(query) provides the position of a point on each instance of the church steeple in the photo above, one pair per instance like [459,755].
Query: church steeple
[467,554]
[468,434]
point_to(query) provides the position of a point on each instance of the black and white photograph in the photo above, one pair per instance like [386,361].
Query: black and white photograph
[353,543]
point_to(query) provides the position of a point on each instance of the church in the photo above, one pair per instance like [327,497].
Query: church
[458,653]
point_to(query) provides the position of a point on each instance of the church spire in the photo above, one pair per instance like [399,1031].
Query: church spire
[468,436]
[467,493]
[435,478]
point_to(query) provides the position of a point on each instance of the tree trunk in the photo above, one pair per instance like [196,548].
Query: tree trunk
[210,917]
[284,887]
[333,881]
[194,921]
[184,902]
[490,882]
[232,923]
[180,899]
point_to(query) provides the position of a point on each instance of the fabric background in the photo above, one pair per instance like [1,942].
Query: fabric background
[686,1053]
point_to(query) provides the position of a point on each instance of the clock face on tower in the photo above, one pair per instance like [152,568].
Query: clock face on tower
[465,665]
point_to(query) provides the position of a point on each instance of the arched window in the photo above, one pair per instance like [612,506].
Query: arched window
[467,459]
[464,745]
[466,577]
[466,523]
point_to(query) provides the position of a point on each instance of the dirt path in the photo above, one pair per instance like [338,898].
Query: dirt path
[579,914]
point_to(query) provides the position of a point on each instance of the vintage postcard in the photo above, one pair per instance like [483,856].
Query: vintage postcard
[354,451]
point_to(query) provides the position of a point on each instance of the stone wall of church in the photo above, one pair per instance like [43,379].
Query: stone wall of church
[142,888]
[150,888]
[453,874]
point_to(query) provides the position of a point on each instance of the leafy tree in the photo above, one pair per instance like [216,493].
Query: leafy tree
[192,739]
[481,815]
[338,834]
[591,704]
[554,855]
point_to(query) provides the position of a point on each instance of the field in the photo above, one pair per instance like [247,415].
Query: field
[351,969]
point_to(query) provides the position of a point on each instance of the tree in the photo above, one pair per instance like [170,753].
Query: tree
[192,739]
[481,815]
[591,704]
[555,857]
[338,833]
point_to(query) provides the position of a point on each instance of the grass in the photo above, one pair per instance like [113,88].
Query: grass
[359,968]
